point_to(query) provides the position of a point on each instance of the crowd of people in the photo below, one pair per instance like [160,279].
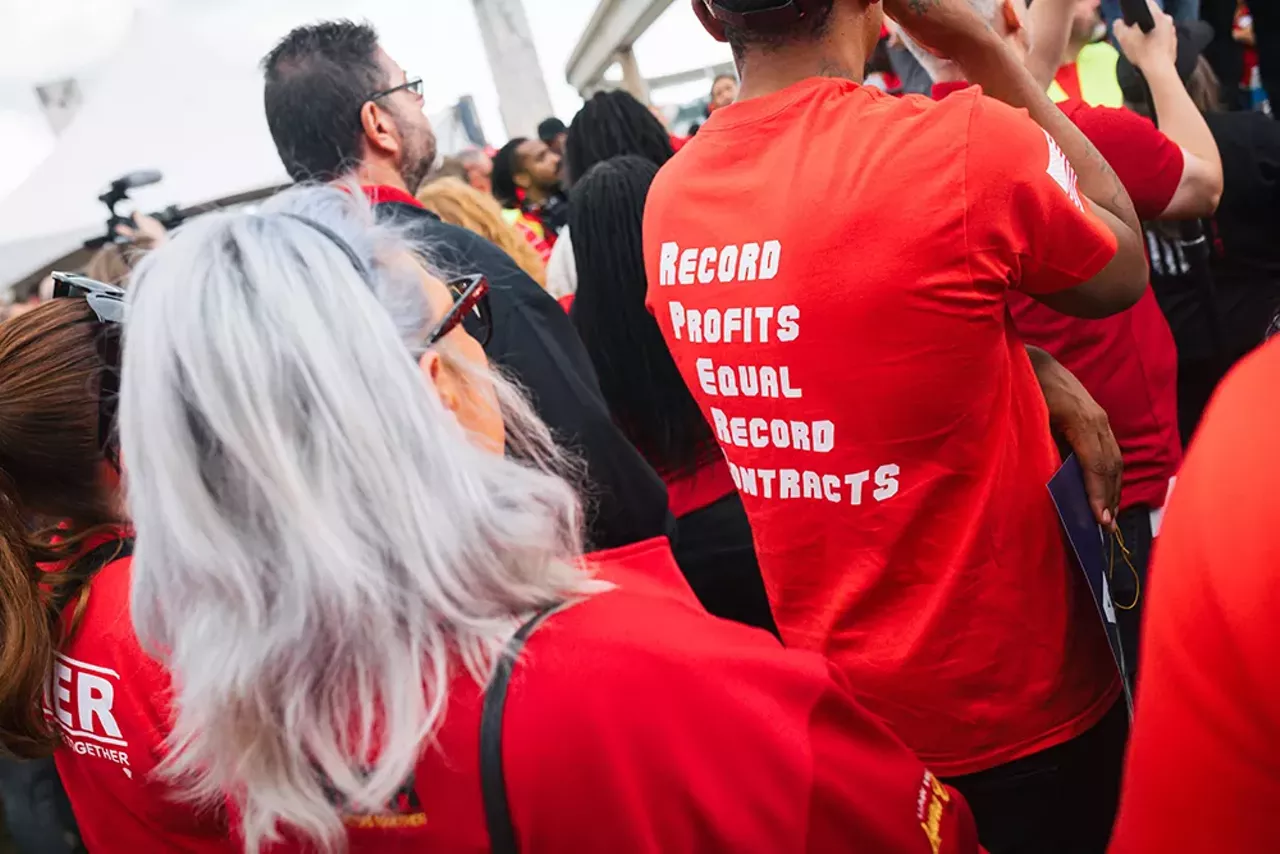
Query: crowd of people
[614,491]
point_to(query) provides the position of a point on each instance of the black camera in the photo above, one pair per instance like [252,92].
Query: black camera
[118,192]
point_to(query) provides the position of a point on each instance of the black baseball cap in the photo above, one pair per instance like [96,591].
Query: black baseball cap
[550,129]
[1193,38]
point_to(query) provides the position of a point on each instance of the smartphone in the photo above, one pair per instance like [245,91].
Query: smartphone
[1138,12]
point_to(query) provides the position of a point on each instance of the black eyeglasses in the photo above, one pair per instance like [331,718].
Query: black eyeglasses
[470,308]
[108,304]
[414,86]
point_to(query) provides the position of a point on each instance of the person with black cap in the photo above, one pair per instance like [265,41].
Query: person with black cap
[843,325]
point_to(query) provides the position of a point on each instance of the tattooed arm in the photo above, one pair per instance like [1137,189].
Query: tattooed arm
[951,28]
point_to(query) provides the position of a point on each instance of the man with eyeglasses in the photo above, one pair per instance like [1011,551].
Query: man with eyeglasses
[340,108]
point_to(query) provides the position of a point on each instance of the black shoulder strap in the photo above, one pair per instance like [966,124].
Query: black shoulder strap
[493,783]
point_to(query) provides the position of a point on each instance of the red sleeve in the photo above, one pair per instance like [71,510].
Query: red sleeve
[1204,760]
[1026,222]
[748,748]
[1148,163]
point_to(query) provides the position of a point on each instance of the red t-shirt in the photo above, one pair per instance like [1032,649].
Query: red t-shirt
[111,703]
[1129,361]
[637,724]
[1204,758]
[830,266]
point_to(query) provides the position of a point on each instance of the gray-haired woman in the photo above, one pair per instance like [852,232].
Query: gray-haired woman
[333,553]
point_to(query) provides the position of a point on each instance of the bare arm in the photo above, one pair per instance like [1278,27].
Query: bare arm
[951,28]
[1155,55]
[1049,22]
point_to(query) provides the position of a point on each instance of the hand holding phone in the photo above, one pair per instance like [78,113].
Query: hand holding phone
[1139,12]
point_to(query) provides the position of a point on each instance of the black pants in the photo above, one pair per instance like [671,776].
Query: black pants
[718,558]
[1129,586]
[1059,801]
[1266,28]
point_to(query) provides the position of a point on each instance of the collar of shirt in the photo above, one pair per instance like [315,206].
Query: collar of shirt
[942,90]
[382,193]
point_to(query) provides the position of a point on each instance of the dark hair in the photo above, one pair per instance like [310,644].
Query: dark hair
[317,79]
[614,124]
[644,390]
[51,500]
[723,76]
[550,128]
[506,163]
[812,26]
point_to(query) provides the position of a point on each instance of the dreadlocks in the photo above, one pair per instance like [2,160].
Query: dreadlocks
[640,381]
[612,124]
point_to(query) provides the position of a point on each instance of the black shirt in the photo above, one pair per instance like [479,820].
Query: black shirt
[534,341]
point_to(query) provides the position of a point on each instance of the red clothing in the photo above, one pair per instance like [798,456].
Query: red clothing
[111,703]
[1128,362]
[1068,77]
[636,723]
[1204,758]
[701,489]
[878,411]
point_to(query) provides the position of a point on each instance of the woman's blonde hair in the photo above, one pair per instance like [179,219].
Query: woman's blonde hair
[462,205]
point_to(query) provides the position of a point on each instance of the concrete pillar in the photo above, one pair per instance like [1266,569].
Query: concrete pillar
[632,80]
[508,43]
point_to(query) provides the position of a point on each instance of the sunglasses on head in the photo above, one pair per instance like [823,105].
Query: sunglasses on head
[108,303]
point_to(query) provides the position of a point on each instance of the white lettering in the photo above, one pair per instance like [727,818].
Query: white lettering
[732,323]
[800,435]
[693,322]
[759,433]
[812,485]
[749,482]
[738,431]
[747,266]
[781,434]
[728,384]
[706,376]
[677,319]
[831,488]
[62,695]
[856,482]
[789,484]
[737,477]
[667,266]
[887,481]
[746,324]
[94,696]
[721,424]
[764,314]
[707,266]
[728,263]
[711,326]
[787,389]
[766,478]
[788,326]
[688,266]
[770,260]
[769,382]
[824,436]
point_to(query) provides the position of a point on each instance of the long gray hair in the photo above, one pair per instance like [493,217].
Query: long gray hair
[319,545]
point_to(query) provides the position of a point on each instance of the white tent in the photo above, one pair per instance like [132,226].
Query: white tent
[157,104]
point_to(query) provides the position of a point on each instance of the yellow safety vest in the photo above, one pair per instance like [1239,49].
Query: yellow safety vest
[1096,66]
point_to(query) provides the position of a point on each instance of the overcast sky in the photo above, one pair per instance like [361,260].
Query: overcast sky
[437,39]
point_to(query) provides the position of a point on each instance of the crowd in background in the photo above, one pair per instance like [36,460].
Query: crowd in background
[622,491]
